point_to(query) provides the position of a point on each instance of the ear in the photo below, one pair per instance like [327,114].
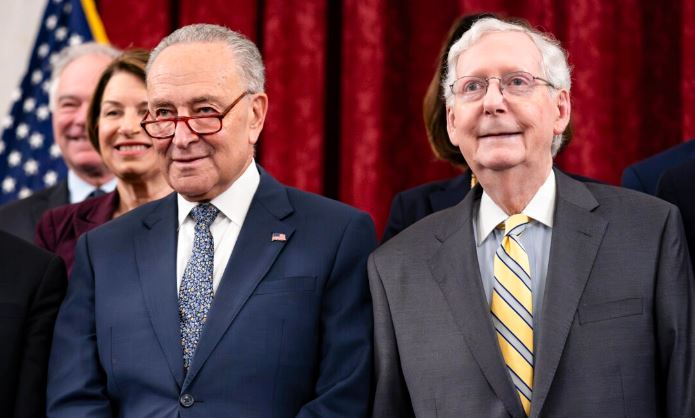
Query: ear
[451,125]
[257,112]
[564,107]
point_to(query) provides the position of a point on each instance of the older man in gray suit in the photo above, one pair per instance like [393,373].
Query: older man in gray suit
[537,295]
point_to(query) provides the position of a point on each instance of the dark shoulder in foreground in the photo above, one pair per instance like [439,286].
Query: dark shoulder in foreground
[14,249]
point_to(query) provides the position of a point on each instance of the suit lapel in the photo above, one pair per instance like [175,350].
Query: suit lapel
[252,257]
[155,253]
[455,268]
[577,235]
[90,217]
[452,194]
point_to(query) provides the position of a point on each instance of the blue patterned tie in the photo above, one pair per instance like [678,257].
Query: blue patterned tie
[195,294]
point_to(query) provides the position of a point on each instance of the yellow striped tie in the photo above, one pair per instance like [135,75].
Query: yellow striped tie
[512,310]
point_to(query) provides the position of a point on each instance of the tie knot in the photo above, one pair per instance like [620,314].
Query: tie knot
[96,192]
[515,224]
[204,214]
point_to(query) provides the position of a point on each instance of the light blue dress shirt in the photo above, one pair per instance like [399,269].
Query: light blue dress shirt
[535,239]
[80,189]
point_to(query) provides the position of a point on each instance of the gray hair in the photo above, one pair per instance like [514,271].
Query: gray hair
[70,54]
[554,59]
[248,57]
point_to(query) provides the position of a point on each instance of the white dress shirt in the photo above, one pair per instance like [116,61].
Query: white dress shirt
[233,204]
[80,189]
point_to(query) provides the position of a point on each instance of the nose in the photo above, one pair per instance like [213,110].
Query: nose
[131,124]
[493,101]
[81,114]
[183,135]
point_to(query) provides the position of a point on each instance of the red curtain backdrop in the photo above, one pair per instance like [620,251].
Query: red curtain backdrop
[346,81]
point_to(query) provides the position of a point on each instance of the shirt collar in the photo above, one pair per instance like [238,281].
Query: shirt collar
[80,189]
[541,208]
[234,202]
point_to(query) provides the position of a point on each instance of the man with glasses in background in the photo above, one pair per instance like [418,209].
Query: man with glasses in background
[537,295]
[235,296]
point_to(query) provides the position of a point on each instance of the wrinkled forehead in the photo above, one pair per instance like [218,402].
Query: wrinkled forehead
[499,52]
[184,71]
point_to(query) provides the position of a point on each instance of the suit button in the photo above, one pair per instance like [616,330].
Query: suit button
[186,400]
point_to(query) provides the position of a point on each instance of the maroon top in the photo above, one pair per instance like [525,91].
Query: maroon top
[59,228]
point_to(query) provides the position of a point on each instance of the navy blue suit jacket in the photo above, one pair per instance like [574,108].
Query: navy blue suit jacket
[289,332]
[644,175]
[677,185]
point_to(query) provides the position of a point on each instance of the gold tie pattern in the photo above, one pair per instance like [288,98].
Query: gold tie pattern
[512,308]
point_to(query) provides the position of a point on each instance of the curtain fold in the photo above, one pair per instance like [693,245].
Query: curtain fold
[346,79]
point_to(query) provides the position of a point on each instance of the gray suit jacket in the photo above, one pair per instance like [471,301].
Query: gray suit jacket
[19,218]
[616,335]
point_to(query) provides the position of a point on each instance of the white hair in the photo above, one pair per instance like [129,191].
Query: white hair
[553,59]
[247,56]
[70,54]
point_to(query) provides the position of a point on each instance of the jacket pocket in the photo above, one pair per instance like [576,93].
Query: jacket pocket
[610,310]
[287,284]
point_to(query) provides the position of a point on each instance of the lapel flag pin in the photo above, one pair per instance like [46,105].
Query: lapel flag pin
[277,236]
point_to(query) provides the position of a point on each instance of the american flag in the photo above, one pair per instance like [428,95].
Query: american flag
[29,159]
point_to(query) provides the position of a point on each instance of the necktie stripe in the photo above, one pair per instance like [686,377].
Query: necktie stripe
[512,308]
[519,384]
[514,284]
[513,340]
[509,317]
[517,253]
[514,266]
[517,305]
[522,368]
[525,402]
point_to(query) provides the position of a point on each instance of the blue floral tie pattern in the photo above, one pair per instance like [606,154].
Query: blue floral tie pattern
[196,292]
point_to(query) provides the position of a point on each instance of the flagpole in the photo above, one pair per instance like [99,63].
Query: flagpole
[94,21]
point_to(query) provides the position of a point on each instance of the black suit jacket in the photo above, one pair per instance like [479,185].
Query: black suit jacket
[20,218]
[677,185]
[32,286]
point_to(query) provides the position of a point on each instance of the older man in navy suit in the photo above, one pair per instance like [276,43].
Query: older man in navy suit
[235,296]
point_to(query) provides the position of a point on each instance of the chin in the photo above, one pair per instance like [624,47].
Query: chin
[190,188]
[131,175]
[500,162]
[89,164]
